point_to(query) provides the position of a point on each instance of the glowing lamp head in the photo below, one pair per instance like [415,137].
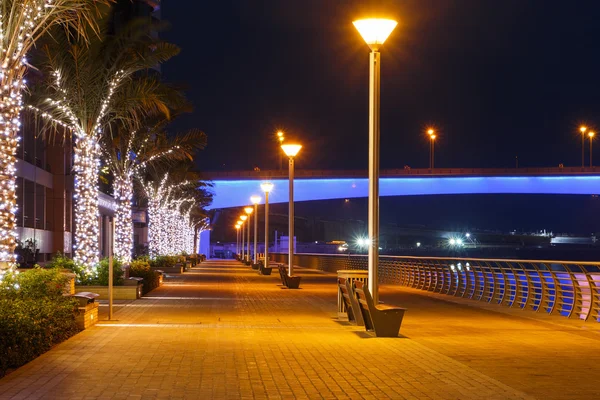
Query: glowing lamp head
[375,31]
[582,129]
[243,217]
[266,187]
[432,137]
[291,150]
[237,227]
[240,222]
[248,210]
[430,132]
[592,134]
[279,134]
[255,199]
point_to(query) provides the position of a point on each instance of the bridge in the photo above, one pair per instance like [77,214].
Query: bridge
[234,188]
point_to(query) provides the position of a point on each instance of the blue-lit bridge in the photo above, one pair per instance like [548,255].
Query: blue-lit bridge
[234,188]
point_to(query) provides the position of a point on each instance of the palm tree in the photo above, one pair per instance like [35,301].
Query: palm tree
[22,24]
[174,202]
[91,88]
[132,154]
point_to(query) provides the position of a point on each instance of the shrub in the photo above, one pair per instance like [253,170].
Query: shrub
[163,262]
[82,275]
[34,315]
[141,269]
[103,273]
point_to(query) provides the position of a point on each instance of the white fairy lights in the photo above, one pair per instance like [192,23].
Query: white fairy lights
[13,48]
[86,165]
[170,229]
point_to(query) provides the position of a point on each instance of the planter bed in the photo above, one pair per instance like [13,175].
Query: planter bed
[177,269]
[119,292]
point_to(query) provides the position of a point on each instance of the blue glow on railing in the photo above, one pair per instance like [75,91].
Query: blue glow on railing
[237,193]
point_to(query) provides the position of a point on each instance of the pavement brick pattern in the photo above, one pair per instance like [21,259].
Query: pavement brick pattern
[221,331]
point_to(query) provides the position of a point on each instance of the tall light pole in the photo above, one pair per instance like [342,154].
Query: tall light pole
[374,31]
[237,239]
[243,218]
[582,129]
[431,134]
[280,138]
[266,187]
[248,210]
[291,150]
[591,136]
[255,200]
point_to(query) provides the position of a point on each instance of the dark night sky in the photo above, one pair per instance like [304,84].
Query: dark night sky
[496,78]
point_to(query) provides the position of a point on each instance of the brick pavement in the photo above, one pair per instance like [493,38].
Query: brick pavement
[221,331]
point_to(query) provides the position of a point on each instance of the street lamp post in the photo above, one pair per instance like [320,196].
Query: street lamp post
[374,31]
[291,150]
[591,135]
[255,200]
[237,238]
[431,134]
[266,187]
[582,129]
[280,138]
[248,210]
[243,218]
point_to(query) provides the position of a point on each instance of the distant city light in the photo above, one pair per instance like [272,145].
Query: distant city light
[452,241]
[418,244]
[363,242]
[468,235]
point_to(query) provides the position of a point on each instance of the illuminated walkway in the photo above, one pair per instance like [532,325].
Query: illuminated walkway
[221,331]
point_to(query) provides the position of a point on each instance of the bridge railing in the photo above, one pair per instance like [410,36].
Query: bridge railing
[408,172]
[567,288]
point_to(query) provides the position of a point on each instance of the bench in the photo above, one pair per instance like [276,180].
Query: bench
[264,270]
[385,320]
[292,282]
[350,302]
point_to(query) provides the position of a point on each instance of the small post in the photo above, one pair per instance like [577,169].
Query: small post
[110,235]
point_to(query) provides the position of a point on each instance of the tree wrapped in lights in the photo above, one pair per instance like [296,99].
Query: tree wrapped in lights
[22,24]
[88,90]
[175,203]
[133,154]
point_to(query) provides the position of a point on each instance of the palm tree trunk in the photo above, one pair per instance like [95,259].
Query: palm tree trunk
[85,165]
[123,193]
[155,229]
[11,105]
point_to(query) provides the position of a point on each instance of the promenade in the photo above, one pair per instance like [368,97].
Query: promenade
[221,331]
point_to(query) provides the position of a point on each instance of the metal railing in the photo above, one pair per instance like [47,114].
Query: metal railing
[415,172]
[567,288]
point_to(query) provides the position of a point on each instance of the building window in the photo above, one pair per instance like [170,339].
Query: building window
[19,213]
[28,200]
[40,206]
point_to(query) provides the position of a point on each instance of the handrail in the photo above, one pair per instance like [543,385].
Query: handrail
[396,172]
[567,288]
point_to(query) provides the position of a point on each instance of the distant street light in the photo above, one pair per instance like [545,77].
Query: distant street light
[255,200]
[243,218]
[582,129]
[266,187]
[374,31]
[237,239]
[431,134]
[291,150]
[591,135]
[248,210]
[280,138]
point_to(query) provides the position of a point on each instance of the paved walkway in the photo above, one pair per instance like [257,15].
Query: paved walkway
[221,331]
